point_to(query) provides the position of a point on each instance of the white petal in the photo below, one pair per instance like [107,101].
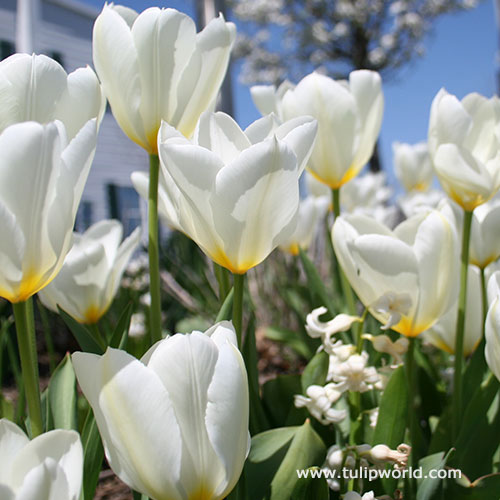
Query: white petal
[12,441]
[136,420]
[115,60]
[185,364]
[492,334]
[204,74]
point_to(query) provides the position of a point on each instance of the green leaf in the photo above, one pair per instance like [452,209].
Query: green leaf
[6,409]
[278,399]
[317,288]
[475,446]
[393,408]
[119,337]
[306,450]
[82,335]
[429,485]
[226,310]
[311,488]
[62,395]
[316,371]
[484,488]
[258,418]
[290,338]
[93,455]
[267,443]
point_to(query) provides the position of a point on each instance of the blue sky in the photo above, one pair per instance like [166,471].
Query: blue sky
[460,56]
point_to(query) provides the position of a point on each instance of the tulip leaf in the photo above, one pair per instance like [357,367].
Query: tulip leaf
[83,336]
[226,310]
[119,337]
[428,485]
[317,288]
[306,450]
[6,409]
[93,455]
[267,443]
[316,371]
[290,338]
[475,371]
[278,397]
[258,418]
[393,408]
[62,395]
[475,446]
[311,487]
[485,487]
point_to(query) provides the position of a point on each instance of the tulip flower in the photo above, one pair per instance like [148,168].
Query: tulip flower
[50,467]
[349,119]
[42,177]
[91,273]
[238,200]
[174,424]
[153,67]
[267,98]
[416,264]
[443,333]
[484,238]
[465,147]
[311,211]
[36,88]
[492,335]
[412,165]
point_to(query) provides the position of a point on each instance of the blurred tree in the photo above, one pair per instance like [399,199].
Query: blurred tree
[287,39]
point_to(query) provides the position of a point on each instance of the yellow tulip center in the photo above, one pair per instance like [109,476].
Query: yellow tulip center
[220,257]
[29,285]
[350,173]
[92,315]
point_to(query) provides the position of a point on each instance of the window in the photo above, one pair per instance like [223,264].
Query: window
[124,206]
[6,49]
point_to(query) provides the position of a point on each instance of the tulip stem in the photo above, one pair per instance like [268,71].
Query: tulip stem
[412,416]
[238,284]
[26,339]
[346,287]
[222,276]
[459,338]
[484,297]
[153,249]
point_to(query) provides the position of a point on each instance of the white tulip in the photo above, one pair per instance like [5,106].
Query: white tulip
[153,67]
[267,98]
[485,237]
[442,334]
[464,145]
[50,467]
[311,211]
[36,88]
[91,273]
[349,118]
[42,177]
[413,166]
[175,424]
[492,336]
[417,261]
[236,193]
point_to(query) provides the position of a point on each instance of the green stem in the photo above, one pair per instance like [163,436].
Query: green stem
[222,275]
[484,297]
[359,343]
[459,338]
[412,422]
[153,249]
[346,287]
[238,283]
[26,339]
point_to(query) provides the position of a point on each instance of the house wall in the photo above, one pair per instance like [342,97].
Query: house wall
[65,28]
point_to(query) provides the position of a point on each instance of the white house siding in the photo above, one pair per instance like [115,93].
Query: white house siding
[65,28]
